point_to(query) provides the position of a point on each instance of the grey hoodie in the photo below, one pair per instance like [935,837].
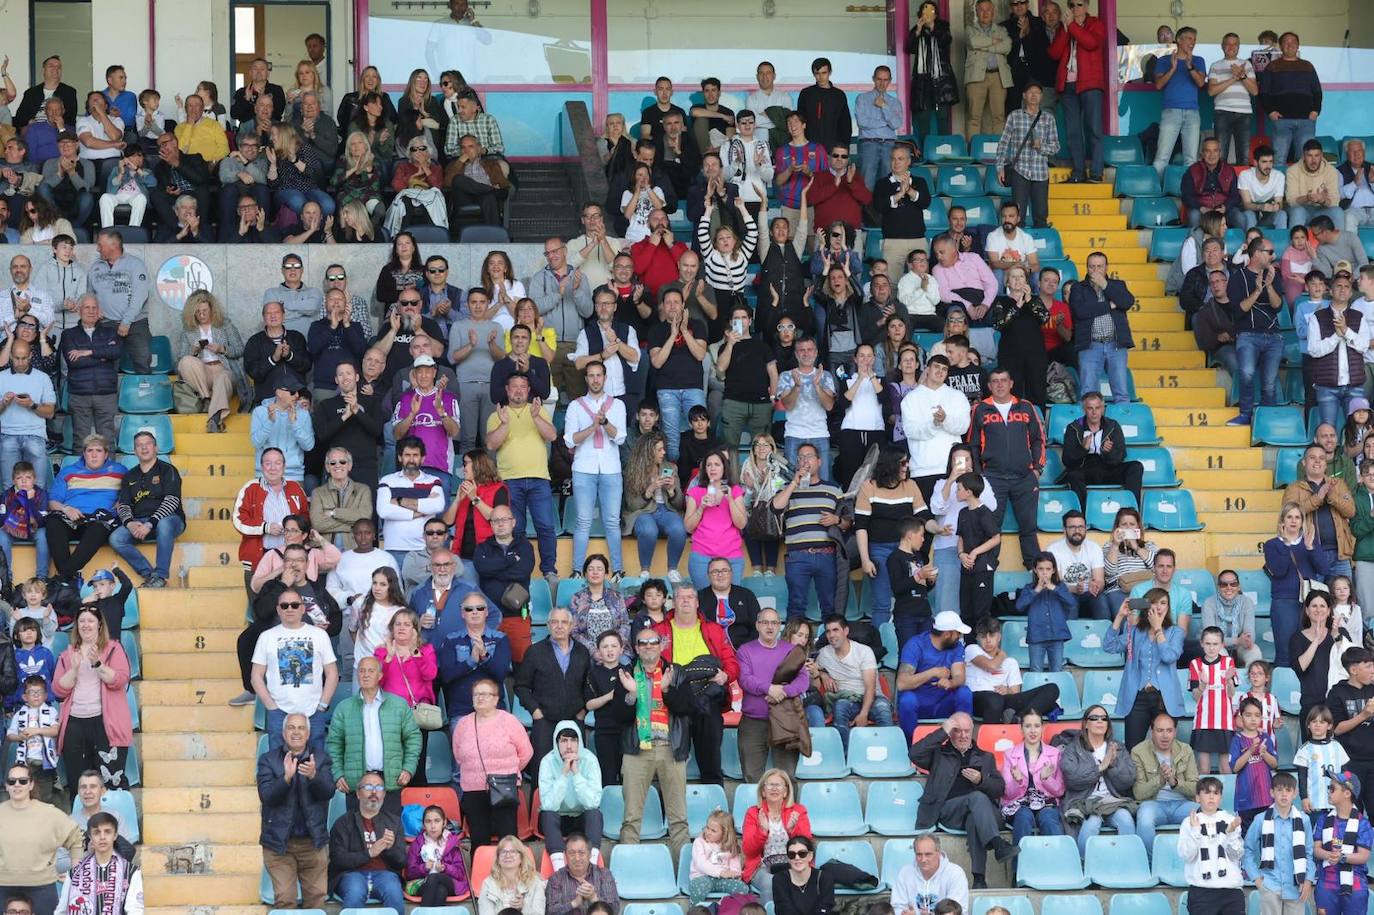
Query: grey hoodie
[122,288]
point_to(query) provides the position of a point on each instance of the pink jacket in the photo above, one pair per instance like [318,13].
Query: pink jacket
[709,861]
[419,671]
[504,747]
[114,708]
[1014,761]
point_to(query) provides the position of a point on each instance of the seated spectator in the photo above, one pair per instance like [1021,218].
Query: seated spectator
[1095,452]
[275,354]
[514,883]
[477,174]
[81,507]
[966,281]
[128,184]
[357,178]
[1211,185]
[777,812]
[89,800]
[24,505]
[317,129]
[1335,246]
[964,791]
[1166,774]
[1034,783]
[419,563]
[369,727]
[178,173]
[932,879]
[847,673]
[251,227]
[242,173]
[654,503]
[295,645]
[40,222]
[33,731]
[1312,188]
[283,423]
[1214,326]
[994,678]
[418,183]
[1081,567]
[1233,612]
[201,133]
[295,172]
[114,882]
[759,664]
[188,227]
[149,507]
[1099,778]
[434,863]
[802,889]
[41,135]
[1357,185]
[1010,245]
[717,859]
[931,673]
[1262,192]
[295,786]
[569,795]
[367,850]
[489,744]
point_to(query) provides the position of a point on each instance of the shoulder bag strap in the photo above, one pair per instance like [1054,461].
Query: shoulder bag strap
[1026,139]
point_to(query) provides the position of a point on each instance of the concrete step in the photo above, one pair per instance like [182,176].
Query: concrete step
[1136,273]
[1218,436]
[1217,458]
[197,889]
[1193,418]
[1178,378]
[181,746]
[1100,240]
[186,423]
[1263,501]
[1083,206]
[218,664]
[1155,303]
[252,909]
[197,719]
[216,577]
[1116,254]
[1242,544]
[194,608]
[189,640]
[1178,342]
[216,464]
[1060,189]
[205,444]
[216,802]
[1143,322]
[200,691]
[1227,480]
[186,553]
[202,531]
[199,773]
[1164,360]
[1246,522]
[225,859]
[1208,398]
[1107,219]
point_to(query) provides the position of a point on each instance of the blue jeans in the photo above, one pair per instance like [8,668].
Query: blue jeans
[1121,821]
[1154,813]
[908,627]
[164,534]
[1026,822]
[946,593]
[665,522]
[1083,126]
[911,708]
[1173,123]
[673,405]
[1299,215]
[1046,656]
[698,563]
[1277,219]
[1262,351]
[31,448]
[880,608]
[843,713]
[801,569]
[1226,355]
[874,156]
[40,552]
[296,200]
[1333,404]
[319,724]
[1289,135]
[589,489]
[357,887]
[791,445]
[1099,356]
[1336,565]
[534,493]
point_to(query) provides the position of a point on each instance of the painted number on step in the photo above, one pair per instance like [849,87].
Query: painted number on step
[217,514]
[224,559]
[1082,209]
[200,643]
[1151,343]
[200,697]
[1111,274]
[1214,461]
[217,470]
[1236,503]
[1167,381]
[205,802]
[1097,241]
[1197,419]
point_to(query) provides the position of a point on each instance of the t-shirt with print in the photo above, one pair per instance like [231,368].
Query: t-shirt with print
[1020,242]
[428,427]
[295,660]
[1076,568]
[682,371]
[980,681]
[1329,875]
[806,417]
[968,381]
[847,672]
[976,527]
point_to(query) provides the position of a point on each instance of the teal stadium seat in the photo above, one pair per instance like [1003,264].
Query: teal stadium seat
[960,181]
[1280,426]
[1061,415]
[1255,584]
[897,854]
[983,148]
[1069,702]
[1286,461]
[746,796]
[1136,181]
[1170,510]
[1084,648]
[1047,242]
[857,853]
[1167,864]
[1331,148]
[834,808]
[891,807]
[1054,469]
[570,525]
[644,872]
[541,602]
[1137,422]
[130,645]
[878,752]
[1139,903]
[135,717]
[1153,212]
[684,873]
[946,148]
[1103,504]
[1121,151]
[1051,506]
[439,910]
[567,587]
[1015,905]
[1070,904]
[439,762]
[936,216]
[773,587]
[1367,239]
[981,211]
[730,765]
[1199,581]
[888,633]
[1014,641]
[1173,180]
[702,800]
[1287,690]
[1166,243]
[378,910]
[639,908]
[1102,687]
[827,756]
[158,424]
[145,394]
[160,360]
[993,187]
[1049,863]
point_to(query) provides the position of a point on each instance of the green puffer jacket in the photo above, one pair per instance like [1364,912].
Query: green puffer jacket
[400,740]
[1362,525]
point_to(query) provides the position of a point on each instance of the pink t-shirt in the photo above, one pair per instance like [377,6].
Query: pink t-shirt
[717,535]
[428,427]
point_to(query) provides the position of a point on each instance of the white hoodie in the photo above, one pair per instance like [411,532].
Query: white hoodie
[928,440]
[914,891]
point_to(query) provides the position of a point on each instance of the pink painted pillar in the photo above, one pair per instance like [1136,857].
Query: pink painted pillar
[361,48]
[1111,118]
[601,93]
[901,22]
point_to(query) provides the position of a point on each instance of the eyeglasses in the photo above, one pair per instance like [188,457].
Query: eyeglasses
[338,463]
[408,302]
[1228,584]
[1097,717]
[484,695]
[508,851]
[289,605]
[372,789]
[798,855]
[648,642]
[501,520]
[335,277]
[435,533]
[436,270]
[17,781]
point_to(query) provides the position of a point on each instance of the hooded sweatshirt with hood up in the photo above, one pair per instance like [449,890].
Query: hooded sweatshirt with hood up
[914,891]
[564,794]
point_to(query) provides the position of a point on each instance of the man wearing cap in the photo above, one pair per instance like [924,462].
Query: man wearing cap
[283,422]
[1029,140]
[1352,710]
[930,675]
[149,508]
[68,180]
[429,414]
[302,303]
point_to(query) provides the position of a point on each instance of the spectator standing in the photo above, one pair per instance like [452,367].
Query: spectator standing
[503,562]
[275,352]
[1337,341]
[657,746]
[295,787]
[28,402]
[934,85]
[91,351]
[1080,48]
[564,296]
[986,74]
[1152,645]
[677,349]
[294,669]
[489,743]
[95,729]
[1284,881]
[1289,558]
[407,499]
[374,731]
[594,430]
[824,108]
[519,433]
[469,649]
[701,646]
[901,199]
[1102,330]
[1008,437]
[1259,346]
[549,680]
[33,835]
[1291,95]
[1327,506]
[1178,78]
[879,116]
[1029,140]
[759,661]
[1231,82]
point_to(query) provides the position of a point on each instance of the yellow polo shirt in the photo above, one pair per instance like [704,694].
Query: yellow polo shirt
[524,454]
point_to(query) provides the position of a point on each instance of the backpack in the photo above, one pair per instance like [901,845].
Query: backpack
[1059,384]
[186,400]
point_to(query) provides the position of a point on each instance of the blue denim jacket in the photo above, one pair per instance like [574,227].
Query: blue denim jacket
[1279,878]
[1151,662]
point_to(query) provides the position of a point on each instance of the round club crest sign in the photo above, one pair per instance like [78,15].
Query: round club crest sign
[181,275]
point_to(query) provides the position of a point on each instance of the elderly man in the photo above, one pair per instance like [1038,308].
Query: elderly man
[594,251]
[1357,185]
[901,198]
[26,405]
[1100,306]
[691,640]
[1327,505]
[564,296]
[930,673]
[1211,185]
[316,127]
[178,173]
[294,670]
[474,650]
[1094,452]
[1029,141]
[295,786]
[657,744]
[1165,780]
[69,180]
[200,134]
[965,280]
[367,850]
[759,661]
[91,352]
[188,228]
[251,226]
[149,508]
[930,879]
[23,297]
[120,283]
[501,562]
[437,596]
[963,791]
[475,175]
[374,731]
[986,74]
[549,681]
[579,883]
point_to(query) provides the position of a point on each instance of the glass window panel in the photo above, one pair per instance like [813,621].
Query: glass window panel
[245,30]
[513,41]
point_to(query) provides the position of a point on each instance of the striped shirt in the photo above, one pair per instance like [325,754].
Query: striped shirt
[720,271]
[483,127]
[788,155]
[803,514]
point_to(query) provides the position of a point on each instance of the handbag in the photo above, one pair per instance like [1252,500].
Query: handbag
[502,790]
[427,714]
[765,522]
[1306,585]
[515,598]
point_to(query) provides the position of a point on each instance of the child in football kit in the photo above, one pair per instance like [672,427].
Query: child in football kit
[1212,678]
[1342,842]
[1314,758]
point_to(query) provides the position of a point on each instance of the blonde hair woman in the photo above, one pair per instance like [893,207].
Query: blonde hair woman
[617,150]
[1291,558]
[768,827]
[209,354]
[355,224]
[294,171]
[357,177]
[763,474]
[307,80]
[513,882]
[419,114]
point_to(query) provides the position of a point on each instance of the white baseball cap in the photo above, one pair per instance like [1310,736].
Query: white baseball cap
[949,621]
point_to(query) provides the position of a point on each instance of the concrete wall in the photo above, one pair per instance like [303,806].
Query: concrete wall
[241,273]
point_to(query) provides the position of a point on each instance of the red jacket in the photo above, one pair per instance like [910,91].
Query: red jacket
[794,819]
[716,641]
[1092,53]
[656,264]
[839,200]
[487,492]
[248,516]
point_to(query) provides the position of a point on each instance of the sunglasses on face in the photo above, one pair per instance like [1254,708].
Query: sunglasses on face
[335,277]
[338,463]
[16,781]
[474,609]
[289,605]
[436,270]
[644,642]
[1097,718]
[799,854]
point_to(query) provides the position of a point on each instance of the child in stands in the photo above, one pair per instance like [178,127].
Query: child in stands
[1212,678]
[1047,603]
[22,509]
[36,606]
[33,728]
[717,861]
[1211,842]
[1343,838]
[1346,612]
[1278,853]
[1314,758]
[979,538]
[31,658]
[910,578]
[1260,674]
[1253,759]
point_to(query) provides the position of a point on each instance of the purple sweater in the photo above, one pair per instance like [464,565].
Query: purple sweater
[757,664]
